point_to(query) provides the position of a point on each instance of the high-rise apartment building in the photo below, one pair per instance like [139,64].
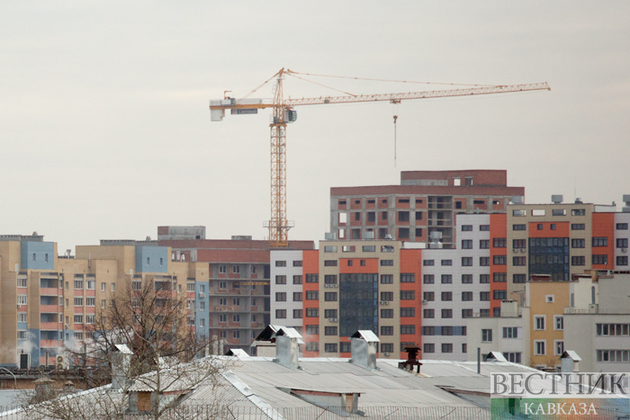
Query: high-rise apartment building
[424,202]
[51,302]
[232,303]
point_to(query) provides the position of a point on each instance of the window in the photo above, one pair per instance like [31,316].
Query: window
[330,347]
[622,260]
[467,296]
[407,278]
[577,226]
[558,322]
[578,260]
[78,301]
[236,269]
[559,347]
[89,319]
[297,279]
[387,313]
[578,243]
[78,284]
[484,244]
[499,277]
[467,313]
[428,296]
[312,312]
[387,330]
[330,330]
[484,278]
[222,317]
[403,233]
[387,263]
[428,279]
[447,262]
[237,317]
[223,269]
[281,279]
[407,312]
[330,263]
[447,313]
[510,332]
[387,279]
[297,296]
[600,241]
[447,296]
[447,348]
[467,228]
[484,228]
[519,227]
[467,261]
[407,295]
[499,243]
[428,262]
[486,335]
[22,317]
[312,295]
[428,313]
[330,296]
[484,296]
[446,279]
[621,226]
[428,348]
[484,261]
[519,243]
[519,261]
[330,313]
[281,297]
[519,278]
[428,330]
[600,259]
[330,248]
[281,313]
[499,294]
[467,243]
[78,319]
[281,263]
[297,314]
[539,322]
[539,347]
[387,296]
[90,301]
[622,242]
[312,278]
[21,282]
[403,216]
[330,279]
[418,215]
[499,260]
[387,347]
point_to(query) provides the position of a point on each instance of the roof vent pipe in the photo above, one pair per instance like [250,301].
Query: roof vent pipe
[288,342]
[363,348]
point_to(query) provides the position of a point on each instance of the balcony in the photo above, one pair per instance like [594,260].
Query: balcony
[48,343]
[48,309]
[227,308]
[49,291]
[49,326]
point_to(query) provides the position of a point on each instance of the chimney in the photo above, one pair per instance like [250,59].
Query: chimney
[288,342]
[436,236]
[570,362]
[121,364]
[412,359]
[44,389]
[363,346]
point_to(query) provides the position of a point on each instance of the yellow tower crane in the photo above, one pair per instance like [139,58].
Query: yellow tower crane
[284,113]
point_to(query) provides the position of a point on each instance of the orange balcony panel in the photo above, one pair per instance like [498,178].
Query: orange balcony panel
[49,326]
[49,291]
[48,343]
[53,309]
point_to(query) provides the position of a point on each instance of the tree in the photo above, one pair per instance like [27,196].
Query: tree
[142,342]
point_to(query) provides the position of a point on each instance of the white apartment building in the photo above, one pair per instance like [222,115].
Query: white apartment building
[286,288]
[456,286]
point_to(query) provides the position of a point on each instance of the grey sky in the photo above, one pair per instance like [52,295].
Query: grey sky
[105,130]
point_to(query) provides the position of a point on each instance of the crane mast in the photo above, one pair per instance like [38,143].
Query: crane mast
[283,113]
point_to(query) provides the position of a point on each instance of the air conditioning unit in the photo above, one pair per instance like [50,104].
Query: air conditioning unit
[327,285]
[62,363]
[384,302]
[624,249]
[523,250]
[202,295]
[332,319]
[19,306]
[424,302]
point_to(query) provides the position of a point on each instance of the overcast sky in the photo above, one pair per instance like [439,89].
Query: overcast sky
[105,130]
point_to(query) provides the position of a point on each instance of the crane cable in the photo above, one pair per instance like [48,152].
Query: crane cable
[319,84]
[395,128]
